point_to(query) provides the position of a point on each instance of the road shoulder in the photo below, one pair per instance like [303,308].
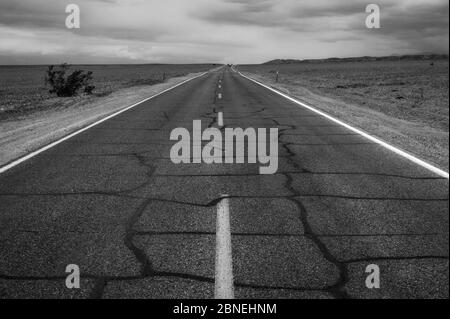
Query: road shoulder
[21,136]
[427,143]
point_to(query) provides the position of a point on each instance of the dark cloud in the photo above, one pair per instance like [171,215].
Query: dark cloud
[420,18]
[422,27]
[254,6]
[22,13]
[240,12]
[238,30]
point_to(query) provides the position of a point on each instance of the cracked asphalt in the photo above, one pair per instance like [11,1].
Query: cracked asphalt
[110,201]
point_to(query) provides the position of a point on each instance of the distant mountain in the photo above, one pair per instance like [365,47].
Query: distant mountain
[425,57]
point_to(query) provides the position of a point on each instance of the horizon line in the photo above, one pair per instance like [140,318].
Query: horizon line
[220,63]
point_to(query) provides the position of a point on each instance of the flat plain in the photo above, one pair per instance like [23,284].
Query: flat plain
[404,102]
[23,89]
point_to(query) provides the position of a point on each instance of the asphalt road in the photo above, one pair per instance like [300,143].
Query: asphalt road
[111,201]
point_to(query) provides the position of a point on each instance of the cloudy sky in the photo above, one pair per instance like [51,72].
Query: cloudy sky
[224,31]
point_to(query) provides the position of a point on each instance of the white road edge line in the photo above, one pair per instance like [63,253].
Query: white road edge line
[220,119]
[394,149]
[49,146]
[224,286]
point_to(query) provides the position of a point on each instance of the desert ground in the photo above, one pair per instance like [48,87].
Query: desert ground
[23,89]
[403,101]
[30,117]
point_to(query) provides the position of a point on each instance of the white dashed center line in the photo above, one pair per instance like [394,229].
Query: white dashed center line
[220,119]
[224,288]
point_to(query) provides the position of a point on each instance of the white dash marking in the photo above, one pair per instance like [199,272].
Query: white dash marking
[220,119]
[219,96]
[224,288]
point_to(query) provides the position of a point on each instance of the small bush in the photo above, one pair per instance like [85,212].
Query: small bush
[68,85]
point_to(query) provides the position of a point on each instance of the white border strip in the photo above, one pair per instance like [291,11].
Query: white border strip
[369,137]
[224,286]
[49,146]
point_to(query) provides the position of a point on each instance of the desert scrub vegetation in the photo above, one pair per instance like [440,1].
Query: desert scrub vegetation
[65,85]
[23,89]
